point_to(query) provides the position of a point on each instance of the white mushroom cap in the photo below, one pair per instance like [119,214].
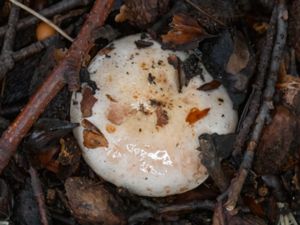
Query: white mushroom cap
[142,133]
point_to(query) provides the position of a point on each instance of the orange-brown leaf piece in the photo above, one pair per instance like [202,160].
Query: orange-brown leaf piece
[92,136]
[214,84]
[87,102]
[185,33]
[162,117]
[195,114]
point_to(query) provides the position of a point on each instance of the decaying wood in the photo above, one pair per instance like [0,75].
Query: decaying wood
[67,68]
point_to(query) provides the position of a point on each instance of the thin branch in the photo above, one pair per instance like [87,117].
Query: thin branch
[255,100]
[55,9]
[49,22]
[10,34]
[65,71]
[9,40]
[205,13]
[25,52]
[238,182]
[39,195]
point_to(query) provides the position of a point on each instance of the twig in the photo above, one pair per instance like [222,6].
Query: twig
[9,40]
[237,183]
[5,200]
[39,195]
[205,13]
[66,70]
[147,214]
[193,205]
[10,34]
[25,52]
[44,19]
[58,19]
[55,9]
[33,49]
[255,100]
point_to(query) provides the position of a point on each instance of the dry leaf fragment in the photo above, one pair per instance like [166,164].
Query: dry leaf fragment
[87,102]
[240,56]
[92,136]
[162,117]
[214,84]
[186,33]
[195,114]
[143,44]
[92,203]
[277,143]
[142,12]
[289,87]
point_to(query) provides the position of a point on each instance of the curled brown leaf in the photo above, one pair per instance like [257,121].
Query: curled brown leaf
[185,33]
[92,136]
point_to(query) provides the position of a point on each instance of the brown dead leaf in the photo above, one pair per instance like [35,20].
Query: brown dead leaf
[277,143]
[186,33]
[92,203]
[214,84]
[70,152]
[142,12]
[255,207]
[92,136]
[240,57]
[289,86]
[143,44]
[195,114]
[87,102]
[162,117]
[43,158]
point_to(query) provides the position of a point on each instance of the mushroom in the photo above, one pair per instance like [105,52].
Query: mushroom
[139,128]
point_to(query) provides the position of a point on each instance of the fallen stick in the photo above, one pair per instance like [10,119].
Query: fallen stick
[67,70]
[39,195]
[57,8]
[237,183]
[257,87]
[9,40]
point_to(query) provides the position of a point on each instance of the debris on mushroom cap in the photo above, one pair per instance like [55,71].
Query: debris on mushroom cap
[151,127]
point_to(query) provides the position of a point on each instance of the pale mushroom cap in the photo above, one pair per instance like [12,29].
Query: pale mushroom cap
[135,87]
